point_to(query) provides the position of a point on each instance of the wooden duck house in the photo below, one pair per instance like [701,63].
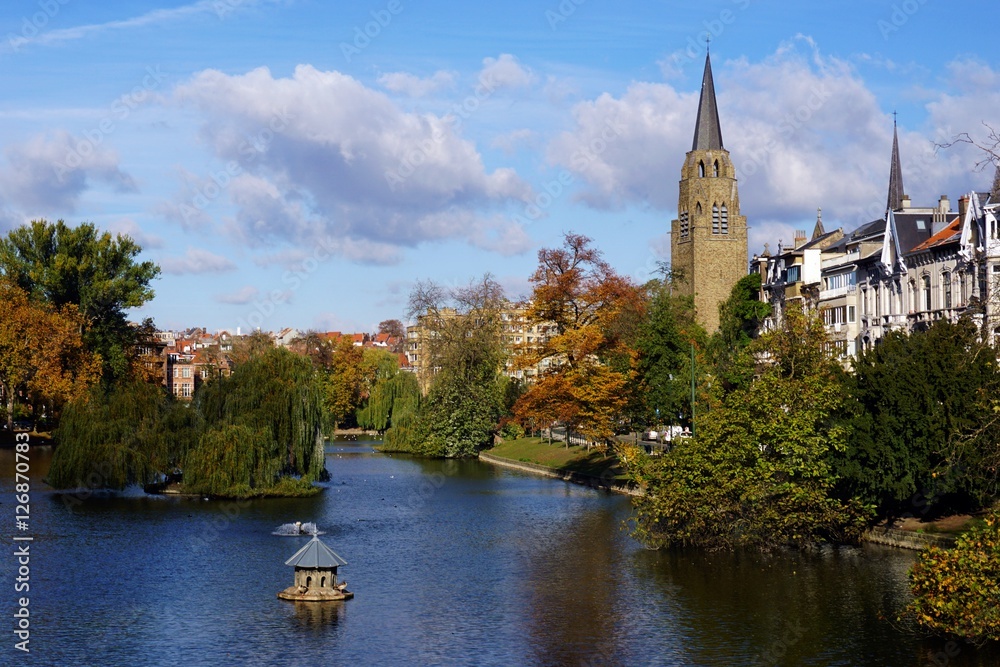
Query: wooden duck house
[316,574]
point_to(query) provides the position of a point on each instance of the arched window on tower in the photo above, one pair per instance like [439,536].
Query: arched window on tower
[701,169]
[697,209]
[715,171]
[685,225]
[715,219]
[725,219]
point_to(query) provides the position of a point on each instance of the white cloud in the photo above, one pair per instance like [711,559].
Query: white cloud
[803,129]
[197,260]
[506,72]
[240,297]
[414,86]
[48,173]
[322,156]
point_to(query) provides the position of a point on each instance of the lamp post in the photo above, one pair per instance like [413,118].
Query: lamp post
[692,390]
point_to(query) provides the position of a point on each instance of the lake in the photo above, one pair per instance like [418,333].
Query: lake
[451,563]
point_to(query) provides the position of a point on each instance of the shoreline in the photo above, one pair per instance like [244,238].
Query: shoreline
[564,475]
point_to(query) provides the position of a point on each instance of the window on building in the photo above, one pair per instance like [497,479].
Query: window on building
[701,169]
[685,225]
[962,293]
[725,219]
[865,306]
[697,209]
[792,275]
[878,300]
[842,280]
[715,170]
[185,372]
[715,219]
[946,288]
[926,305]
[851,314]
[186,390]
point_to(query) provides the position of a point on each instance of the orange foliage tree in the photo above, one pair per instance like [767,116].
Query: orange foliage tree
[588,311]
[42,351]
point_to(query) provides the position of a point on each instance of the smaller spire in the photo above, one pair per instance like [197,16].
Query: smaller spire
[767,250]
[818,230]
[895,200]
[995,192]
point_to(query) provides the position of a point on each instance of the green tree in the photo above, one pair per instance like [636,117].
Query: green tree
[758,473]
[344,380]
[96,272]
[465,346]
[278,396]
[924,421]
[664,345]
[740,319]
[115,437]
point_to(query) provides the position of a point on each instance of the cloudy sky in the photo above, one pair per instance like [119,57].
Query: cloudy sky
[302,163]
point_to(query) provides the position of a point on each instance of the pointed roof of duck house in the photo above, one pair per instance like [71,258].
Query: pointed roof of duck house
[707,131]
[317,555]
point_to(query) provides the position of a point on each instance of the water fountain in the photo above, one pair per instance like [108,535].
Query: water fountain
[297,528]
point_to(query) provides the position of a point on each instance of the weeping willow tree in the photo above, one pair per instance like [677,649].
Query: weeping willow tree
[391,396]
[276,399]
[113,439]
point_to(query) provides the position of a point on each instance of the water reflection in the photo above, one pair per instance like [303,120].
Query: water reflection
[319,616]
[452,563]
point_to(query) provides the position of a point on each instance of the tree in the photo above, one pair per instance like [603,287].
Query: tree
[665,347]
[465,347]
[955,590]
[740,319]
[251,346]
[344,380]
[395,329]
[98,273]
[115,437]
[391,395]
[591,366]
[41,351]
[924,421]
[277,397]
[758,473]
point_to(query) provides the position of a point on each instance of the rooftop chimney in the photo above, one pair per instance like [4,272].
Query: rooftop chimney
[943,204]
[800,238]
[906,202]
[963,206]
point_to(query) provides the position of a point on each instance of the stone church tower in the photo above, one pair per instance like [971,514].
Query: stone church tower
[708,241]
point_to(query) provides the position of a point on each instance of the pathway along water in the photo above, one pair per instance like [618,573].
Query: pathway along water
[452,562]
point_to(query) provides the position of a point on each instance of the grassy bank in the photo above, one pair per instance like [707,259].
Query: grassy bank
[559,457]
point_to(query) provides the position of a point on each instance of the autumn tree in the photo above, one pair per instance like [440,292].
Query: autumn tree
[590,367]
[343,380]
[96,272]
[41,351]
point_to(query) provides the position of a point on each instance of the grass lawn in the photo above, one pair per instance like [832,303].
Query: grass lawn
[558,456]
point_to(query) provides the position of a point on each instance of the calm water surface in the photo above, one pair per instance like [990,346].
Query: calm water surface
[452,563]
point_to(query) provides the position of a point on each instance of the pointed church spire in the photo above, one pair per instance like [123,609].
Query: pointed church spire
[895,201]
[818,230]
[707,132]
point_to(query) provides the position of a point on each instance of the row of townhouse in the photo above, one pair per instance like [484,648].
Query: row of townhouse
[915,266]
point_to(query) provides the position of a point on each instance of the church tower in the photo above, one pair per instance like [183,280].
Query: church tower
[708,241]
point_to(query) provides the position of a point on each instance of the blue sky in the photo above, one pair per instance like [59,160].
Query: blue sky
[302,163]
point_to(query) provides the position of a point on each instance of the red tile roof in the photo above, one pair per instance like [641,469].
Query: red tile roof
[946,235]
